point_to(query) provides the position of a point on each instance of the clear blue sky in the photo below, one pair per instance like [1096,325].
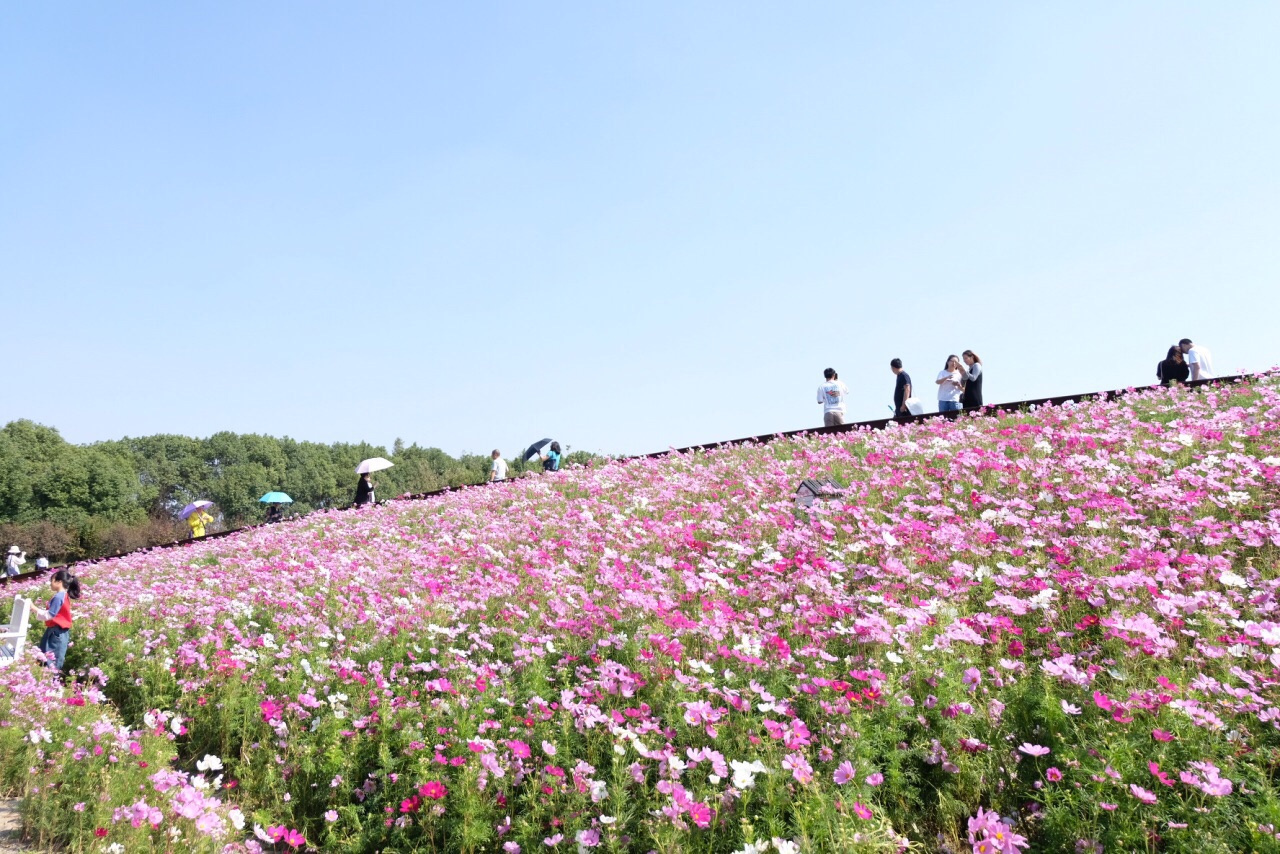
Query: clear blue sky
[626,226]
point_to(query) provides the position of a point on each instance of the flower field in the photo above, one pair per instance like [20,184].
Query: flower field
[1056,630]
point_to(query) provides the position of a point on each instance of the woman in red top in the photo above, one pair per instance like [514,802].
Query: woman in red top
[57,617]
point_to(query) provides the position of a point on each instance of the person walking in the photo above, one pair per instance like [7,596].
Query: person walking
[831,395]
[551,459]
[13,561]
[901,390]
[198,520]
[1198,358]
[57,617]
[972,397]
[1173,368]
[950,385]
[498,468]
[364,491]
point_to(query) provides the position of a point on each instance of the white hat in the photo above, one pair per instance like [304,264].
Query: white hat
[14,550]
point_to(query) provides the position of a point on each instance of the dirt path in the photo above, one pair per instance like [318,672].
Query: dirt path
[11,828]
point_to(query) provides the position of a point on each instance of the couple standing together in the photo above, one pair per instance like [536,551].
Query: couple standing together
[960,385]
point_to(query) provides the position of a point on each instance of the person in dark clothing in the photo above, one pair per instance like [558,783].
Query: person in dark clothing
[901,390]
[274,514]
[364,491]
[1174,368]
[972,381]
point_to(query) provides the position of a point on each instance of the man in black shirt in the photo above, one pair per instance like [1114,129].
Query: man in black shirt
[901,391]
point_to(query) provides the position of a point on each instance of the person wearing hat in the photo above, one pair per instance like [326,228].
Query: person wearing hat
[42,562]
[14,561]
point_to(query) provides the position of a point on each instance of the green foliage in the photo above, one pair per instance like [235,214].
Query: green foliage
[70,502]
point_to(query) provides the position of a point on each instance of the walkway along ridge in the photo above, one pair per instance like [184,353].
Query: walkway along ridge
[874,424]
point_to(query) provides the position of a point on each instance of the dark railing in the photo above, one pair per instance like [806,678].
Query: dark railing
[873,424]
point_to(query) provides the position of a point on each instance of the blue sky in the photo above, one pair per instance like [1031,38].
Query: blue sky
[626,227]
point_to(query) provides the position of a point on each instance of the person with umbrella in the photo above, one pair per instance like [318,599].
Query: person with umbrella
[275,502]
[197,518]
[364,489]
[551,459]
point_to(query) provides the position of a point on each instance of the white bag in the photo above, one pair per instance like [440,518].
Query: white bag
[914,406]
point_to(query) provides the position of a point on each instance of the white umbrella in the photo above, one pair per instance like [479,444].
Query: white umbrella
[375,464]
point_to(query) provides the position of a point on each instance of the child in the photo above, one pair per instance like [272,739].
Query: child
[57,616]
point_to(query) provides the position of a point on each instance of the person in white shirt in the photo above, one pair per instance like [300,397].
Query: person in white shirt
[13,561]
[950,385]
[1199,359]
[498,469]
[831,395]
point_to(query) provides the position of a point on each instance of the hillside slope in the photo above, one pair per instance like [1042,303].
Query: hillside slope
[1067,618]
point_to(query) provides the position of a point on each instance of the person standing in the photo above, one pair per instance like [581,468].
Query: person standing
[498,468]
[1199,359]
[57,617]
[950,385]
[13,561]
[364,491]
[901,390]
[972,398]
[1174,368]
[198,520]
[831,395]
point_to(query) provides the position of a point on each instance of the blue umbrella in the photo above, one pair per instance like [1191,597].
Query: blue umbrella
[275,498]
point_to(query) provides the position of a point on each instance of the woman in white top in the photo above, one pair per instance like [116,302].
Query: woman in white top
[950,386]
[13,561]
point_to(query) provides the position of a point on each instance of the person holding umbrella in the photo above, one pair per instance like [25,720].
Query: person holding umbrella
[551,459]
[275,502]
[365,488]
[197,518]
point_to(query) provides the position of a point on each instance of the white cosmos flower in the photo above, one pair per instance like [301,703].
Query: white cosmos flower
[209,763]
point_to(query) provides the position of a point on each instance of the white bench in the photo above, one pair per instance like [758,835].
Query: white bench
[14,638]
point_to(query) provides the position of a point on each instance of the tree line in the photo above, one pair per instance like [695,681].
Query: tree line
[70,502]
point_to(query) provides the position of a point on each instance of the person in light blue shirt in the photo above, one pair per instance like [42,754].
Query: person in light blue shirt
[551,459]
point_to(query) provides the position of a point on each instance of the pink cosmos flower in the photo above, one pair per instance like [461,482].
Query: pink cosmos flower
[861,810]
[874,779]
[1147,797]
[844,773]
[1053,775]
[1033,749]
[799,767]
[1161,735]
[433,789]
